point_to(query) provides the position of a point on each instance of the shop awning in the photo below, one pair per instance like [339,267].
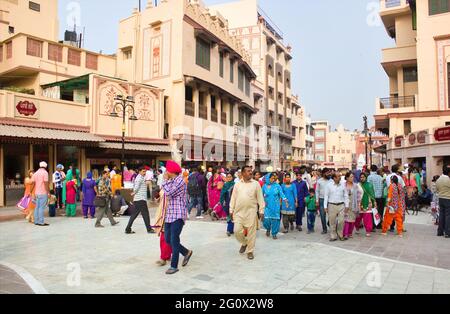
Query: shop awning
[11,131]
[381,149]
[138,147]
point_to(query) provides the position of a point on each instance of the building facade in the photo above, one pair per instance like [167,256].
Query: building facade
[186,49]
[341,148]
[298,132]
[309,141]
[272,62]
[416,115]
[321,130]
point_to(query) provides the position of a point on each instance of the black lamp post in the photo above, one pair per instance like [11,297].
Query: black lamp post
[366,131]
[123,106]
[371,148]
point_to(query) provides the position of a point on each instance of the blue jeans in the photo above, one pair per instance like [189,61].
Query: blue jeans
[172,233]
[323,215]
[311,220]
[196,201]
[273,225]
[300,212]
[41,203]
[230,227]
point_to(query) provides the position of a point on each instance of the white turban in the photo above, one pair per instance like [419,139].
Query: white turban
[43,164]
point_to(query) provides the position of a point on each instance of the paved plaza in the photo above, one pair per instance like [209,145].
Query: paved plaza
[71,256]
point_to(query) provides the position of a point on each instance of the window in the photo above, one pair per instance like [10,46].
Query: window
[320,146]
[55,52]
[1,53]
[270,69]
[34,6]
[34,47]
[247,86]
[11,30]
[74,57]
[280,77]
[241,79]
[410,74]
[320,134]
[407,127]
[9,50]
[271,93]
[438,6]
[203,54]
[91,61]
[288,82]
[232,71]
[127,53]
[231,114]
[320,157]
[221,64]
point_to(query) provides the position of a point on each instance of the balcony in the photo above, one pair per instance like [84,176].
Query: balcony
[400,55]
[389,10]
[189,108]
[400,104]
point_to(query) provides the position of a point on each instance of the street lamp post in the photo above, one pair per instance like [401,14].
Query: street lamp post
[124,106]
[366,131]
[371,148]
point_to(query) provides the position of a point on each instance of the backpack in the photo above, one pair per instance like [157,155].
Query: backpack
[193,188]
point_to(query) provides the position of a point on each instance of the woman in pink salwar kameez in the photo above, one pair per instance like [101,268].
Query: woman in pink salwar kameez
[215,185]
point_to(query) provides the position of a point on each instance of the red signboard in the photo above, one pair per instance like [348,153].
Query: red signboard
[26,108]
[422,137]
[412,139]
[442,134]
[398,141]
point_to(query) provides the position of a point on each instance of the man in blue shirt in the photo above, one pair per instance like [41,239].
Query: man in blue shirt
[302,193]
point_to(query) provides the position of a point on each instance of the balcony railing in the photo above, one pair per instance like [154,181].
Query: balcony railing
[203,112]
[214,115]
[223,118]
[397,102]
[394,3]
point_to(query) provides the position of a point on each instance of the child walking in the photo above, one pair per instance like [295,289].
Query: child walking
[312,210]
[52,204]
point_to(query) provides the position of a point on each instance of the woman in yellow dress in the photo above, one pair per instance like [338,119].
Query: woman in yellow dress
[29,191]
[116,182]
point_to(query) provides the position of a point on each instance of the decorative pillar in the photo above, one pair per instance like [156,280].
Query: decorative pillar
[196,101]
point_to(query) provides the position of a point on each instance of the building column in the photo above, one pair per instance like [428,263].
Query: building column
[2,175]
[196,101]
[30,158]
[208,105]
[51,159]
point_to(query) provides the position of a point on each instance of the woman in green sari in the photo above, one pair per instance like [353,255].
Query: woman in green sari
[368,202]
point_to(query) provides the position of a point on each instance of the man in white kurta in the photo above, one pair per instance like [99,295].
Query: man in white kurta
[247,199]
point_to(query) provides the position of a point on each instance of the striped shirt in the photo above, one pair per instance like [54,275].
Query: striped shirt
[176,192]
[377,182]
[140,189]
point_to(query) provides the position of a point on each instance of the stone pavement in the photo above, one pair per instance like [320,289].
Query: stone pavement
[71,256]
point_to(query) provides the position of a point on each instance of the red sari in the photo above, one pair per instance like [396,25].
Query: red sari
[214,192]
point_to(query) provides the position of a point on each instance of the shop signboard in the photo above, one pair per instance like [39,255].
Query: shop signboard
[26,108]
[398,141]
[442,134]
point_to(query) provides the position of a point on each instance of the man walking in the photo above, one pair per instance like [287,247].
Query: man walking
[42,192]
[306,177]
[58,178]
[302,192]
[140,203]
[174,189]
[336,200]
[195,187]
[378,185]
[320,197]
[103,191]
[247,199]
[443,190]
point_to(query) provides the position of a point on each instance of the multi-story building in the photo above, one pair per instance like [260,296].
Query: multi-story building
[271,61]
[416,115]
[186,49]
[309,141]
[298,132]
[321,130]
[341,148]
[56,102]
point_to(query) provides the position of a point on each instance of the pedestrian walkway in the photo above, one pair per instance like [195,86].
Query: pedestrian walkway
[71,256]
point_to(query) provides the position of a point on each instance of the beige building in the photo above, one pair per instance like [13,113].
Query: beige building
[341,148]
[187,49]
[56,103]
[417,111]
[298,132]
[321,131]
[309,141]
[272,62]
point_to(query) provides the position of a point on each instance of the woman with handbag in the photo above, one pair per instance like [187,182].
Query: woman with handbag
[368,202]
[103,191]
[29,193]
[354,194]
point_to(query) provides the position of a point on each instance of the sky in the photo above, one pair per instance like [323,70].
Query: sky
[336,49]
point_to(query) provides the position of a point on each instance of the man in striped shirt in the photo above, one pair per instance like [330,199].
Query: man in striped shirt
[175,190]
[140,203]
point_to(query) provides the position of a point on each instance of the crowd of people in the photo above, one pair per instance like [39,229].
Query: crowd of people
[346,202]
